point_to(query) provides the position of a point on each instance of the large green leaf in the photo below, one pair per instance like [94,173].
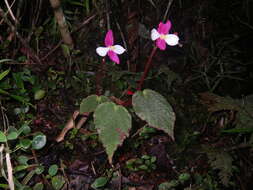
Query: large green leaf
[90,103]
[113,123]
[155,110]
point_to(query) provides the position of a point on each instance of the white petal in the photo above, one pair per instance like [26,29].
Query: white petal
[102,51]
[118,49]
[154,34]
[171,39]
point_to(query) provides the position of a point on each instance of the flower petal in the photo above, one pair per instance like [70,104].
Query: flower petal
[160,27]
[164,28]
[118,49]
[102,51]
[171,39]
[109,38]
[113,56]
[161,44]
[154,34]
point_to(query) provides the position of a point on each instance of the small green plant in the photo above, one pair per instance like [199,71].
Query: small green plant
[145,163]
[182,179]
[19,85]
[99,182]
[19,142]
[146,132]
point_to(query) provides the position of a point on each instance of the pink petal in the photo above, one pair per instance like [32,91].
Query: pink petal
[167,27]
[109,38]
[160,26]
[164,28]
[113,56]
[161,44]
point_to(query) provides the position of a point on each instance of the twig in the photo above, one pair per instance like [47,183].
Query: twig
[63,27]
[93,168]
[9,170]
[167,10]
[71,124]
[122,35]
[138,131]
[125,44]
[107,15]
[10,11]
[240,146]
[245,23]
[120,178]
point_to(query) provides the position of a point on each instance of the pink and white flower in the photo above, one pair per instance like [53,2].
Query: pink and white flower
[162,36]
[110,49]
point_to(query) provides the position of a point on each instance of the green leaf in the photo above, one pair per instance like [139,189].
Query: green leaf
[143,167]
[28,177]
[184,177]
[18,80]
[18,98]
[99,182]
[21,168]
[145,157]
[25,129]
[7,60]
[168,185]
[153,159]
[52,171]
[25,143]
[155,110]
[5,186]
[39,94]
[38,186]
[113,123]
[4,73]
[66,50]
[2,137]
[39,170]
[90,103]
[57,182]
[238,130]
[23,160]
[39,141]
[12,134]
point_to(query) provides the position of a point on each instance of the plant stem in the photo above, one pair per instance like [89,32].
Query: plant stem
[147,67]
[99,77]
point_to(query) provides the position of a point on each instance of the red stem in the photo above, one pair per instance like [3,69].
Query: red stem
[99,77]
[147,67]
